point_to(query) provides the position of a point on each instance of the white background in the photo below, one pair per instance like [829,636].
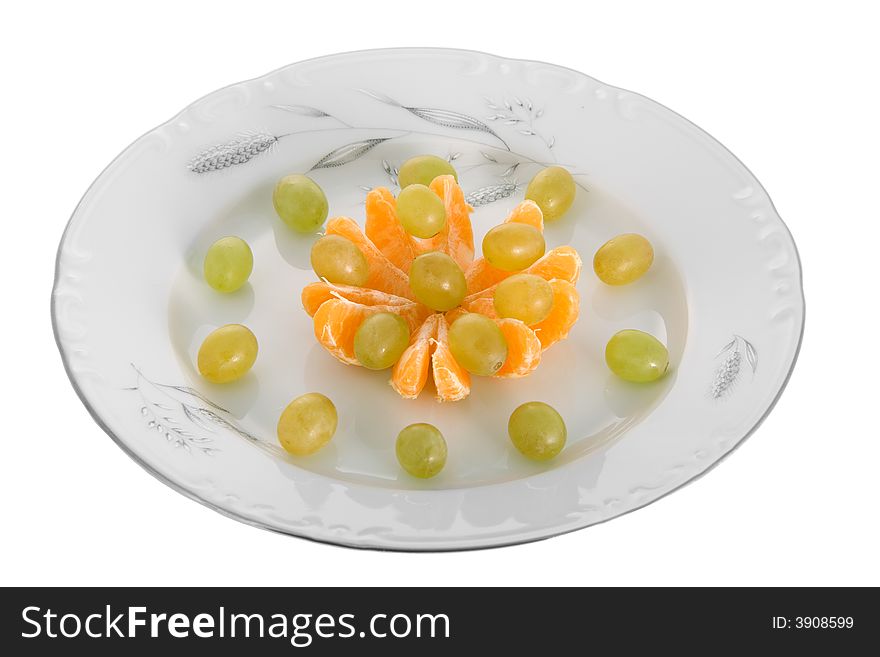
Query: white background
[791,90]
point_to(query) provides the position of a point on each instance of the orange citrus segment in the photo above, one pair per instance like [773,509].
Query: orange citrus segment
[457,239]
[337,320]
[483,305]
[481,274]
[451,379]
[384,229]
[384,274]
[314,294]
[523,349]
[562,263]
[529,213]
[410,373]
[562,316]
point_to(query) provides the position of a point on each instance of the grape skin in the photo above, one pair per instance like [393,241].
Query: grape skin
[227,354]
[553,189]
[338,260]
[477,344]
[421,450]
[228,264]
[301,203]
[421,211]
[422,169]
[513,246]
[623,259]
[307,424]
[525,297]
[636,356]
[380,340]
[437,281]
[537,430]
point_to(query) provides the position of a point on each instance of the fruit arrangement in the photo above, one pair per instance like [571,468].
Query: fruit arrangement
[406,294]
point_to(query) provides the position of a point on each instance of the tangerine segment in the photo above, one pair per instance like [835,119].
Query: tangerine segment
[523,349]
[483,305]
[528,213]
[454,314]
[314,294]
[562,263]
[337,320]
[410,373]
[457,238]
[384,274]
[562,316]
[384,229]
[451,379]
[481,274]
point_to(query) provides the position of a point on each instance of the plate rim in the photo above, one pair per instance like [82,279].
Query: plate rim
[341,541]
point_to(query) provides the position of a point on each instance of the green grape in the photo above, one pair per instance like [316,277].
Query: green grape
[477,344]
[513,246]
[380,340]
[421,450]
[422,169]
[300,203]
[636,356]
[623,259]
[228,264]
[421,211]
[437,281]
[338,259]
[227,353]
[553,189]
[525,297]
[537,431]
[307,424]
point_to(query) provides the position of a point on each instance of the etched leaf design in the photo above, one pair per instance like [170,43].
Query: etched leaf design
[727,347]
[348,153]
[450,119]
[382,98]
[195,393]
[176,413]
[302,110]
[751,356]
[509,171]
[196,419]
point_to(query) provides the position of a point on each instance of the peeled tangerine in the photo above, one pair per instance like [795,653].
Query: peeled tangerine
[457,318]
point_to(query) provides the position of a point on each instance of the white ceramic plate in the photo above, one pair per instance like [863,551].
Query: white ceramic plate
[130,307]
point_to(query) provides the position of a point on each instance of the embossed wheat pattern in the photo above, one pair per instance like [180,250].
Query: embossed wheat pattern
[491,193]
[185,417]
[237,151]
[728,372]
